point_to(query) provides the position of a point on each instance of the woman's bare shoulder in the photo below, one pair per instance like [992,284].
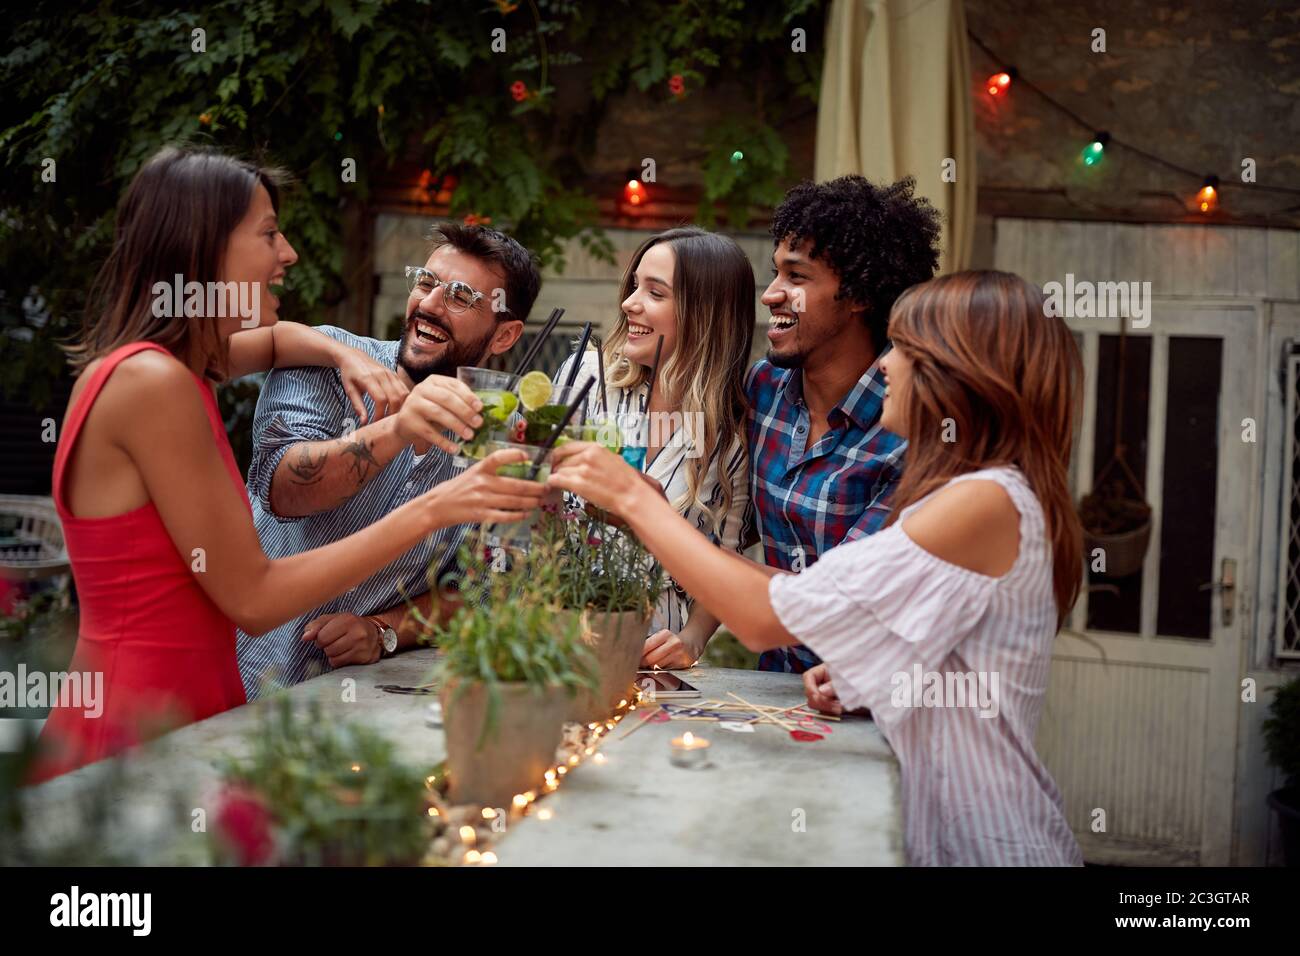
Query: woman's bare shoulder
[145,388]
[973,524]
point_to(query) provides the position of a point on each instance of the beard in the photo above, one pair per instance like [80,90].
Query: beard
[786,359]
[454,353]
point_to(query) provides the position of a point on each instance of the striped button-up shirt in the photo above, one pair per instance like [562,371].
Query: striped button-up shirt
[308,404]
[954,666]
[807,499]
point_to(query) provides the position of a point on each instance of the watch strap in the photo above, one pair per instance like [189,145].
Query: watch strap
[381,626]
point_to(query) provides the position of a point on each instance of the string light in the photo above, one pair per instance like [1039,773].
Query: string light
[1093,152]
[1207,200]
[583,745]
[999,83]
[634,193]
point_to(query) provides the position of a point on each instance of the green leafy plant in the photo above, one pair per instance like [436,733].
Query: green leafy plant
[318,792]
[510,628]
[95,88]
[1282,732]
[598,566]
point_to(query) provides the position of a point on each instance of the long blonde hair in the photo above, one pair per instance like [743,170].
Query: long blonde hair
[713,298]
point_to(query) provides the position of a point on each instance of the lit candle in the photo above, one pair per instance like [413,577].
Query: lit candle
[689,751]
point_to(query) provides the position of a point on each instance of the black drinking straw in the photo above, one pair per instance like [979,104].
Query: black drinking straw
[654,369]
[558,430]
[541,338]
[600,368]
[577,355]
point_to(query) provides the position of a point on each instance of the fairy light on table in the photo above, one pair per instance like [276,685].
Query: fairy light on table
[467,831]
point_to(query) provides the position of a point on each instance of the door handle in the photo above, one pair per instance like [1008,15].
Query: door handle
[1226,587]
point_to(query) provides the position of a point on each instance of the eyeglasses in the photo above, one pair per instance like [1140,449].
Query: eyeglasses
[458,295]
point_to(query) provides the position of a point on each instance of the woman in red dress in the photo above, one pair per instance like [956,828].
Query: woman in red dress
[155,516]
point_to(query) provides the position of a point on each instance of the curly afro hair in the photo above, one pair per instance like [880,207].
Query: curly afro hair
[879,240]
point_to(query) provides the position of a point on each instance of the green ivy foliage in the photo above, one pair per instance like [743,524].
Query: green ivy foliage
[98,87]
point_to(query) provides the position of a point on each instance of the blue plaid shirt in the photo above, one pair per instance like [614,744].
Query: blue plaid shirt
[804,501]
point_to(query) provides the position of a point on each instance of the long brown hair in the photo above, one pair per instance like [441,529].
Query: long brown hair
[175,219]
[1001,378]
[713,300]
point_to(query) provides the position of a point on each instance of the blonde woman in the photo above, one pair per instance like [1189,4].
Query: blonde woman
[696,289]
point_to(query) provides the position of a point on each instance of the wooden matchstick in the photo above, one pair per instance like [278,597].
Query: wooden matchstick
[776,720]
[645,719]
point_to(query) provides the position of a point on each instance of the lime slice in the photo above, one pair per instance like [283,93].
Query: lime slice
[497,405]
[534,390]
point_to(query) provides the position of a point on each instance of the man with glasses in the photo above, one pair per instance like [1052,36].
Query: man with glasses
[317,475]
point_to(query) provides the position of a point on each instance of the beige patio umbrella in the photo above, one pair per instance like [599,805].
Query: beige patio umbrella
[895,102]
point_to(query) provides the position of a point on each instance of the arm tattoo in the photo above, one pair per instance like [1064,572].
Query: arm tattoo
[306,470]
[362,459]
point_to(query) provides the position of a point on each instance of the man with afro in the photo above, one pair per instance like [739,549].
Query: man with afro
[822,467]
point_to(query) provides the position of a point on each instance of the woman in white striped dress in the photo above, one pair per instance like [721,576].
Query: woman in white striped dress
[696,289]
[941,624]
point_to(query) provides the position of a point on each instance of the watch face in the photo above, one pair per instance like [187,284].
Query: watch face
[390,640]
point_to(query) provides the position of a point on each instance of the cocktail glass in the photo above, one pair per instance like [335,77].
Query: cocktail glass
[517,534]
[540,422]
[498,393]
[634,438]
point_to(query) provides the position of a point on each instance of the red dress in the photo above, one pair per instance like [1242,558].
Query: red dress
[166,652]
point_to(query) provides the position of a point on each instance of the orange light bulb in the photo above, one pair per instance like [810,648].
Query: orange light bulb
[1208,198]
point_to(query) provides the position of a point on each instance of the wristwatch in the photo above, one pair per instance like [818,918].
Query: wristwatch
[387,636]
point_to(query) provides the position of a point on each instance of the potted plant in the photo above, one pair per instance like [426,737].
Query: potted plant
[608,583]
[511,664]
[1282,745]
[318,792]
[1120,524]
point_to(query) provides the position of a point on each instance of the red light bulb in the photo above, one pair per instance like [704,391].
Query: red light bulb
[998,83]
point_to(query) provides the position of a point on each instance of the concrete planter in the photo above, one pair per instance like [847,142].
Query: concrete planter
[617,640]
[488,769]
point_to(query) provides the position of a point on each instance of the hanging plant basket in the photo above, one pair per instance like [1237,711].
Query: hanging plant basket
[1118,524]
[1115,515]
